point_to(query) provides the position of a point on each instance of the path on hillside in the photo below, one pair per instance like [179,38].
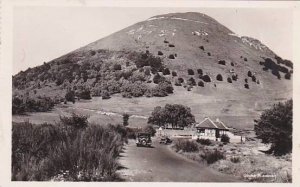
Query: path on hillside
[102,112]
[160,164]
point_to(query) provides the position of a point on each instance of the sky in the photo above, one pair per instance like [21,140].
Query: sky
[41,34]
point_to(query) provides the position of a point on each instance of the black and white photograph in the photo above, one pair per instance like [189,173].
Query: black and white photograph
[152,94]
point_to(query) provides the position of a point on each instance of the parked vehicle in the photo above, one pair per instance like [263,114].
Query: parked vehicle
[165,140]
[143,139]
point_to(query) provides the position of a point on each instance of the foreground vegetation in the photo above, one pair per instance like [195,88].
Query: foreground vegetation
[71,150]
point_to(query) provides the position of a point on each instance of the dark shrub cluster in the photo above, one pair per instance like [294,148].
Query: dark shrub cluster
[206,78]
[212,156]
[174,74]
[202,47]
[186,146]
[61,152]
[201,83]
[171,56]
[222,62]
[149,129]
[160,53]
[191,81]
[166,71]
[246,86]
[229,80]
[219,77]
[191,72]
[204,141]
[225,138]
[200,71]
[21,105]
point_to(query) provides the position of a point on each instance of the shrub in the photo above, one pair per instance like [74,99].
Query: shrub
[174,74]
[186,146]
[287,76]
[249,74]
[166,87]
[219,77]
[212,156]
[204,141]
[125,119]
[191,72]
[105,94]
[165,41]
[157,78]
[177,82]
[245,59]
[235,159]
[201,83]
[275,126]
[70,96]
[257,82]
[171,45]
[232,64]
[191,81]
[181,80]
[200,71]
[149,129]
[92,53]
[84,93]
[246,80]
[229,80]
[49,152]
[234,77]
[171,56]
[160,53]
[222,62]
[208,54]
[117,67]
[76,121]
[206,78]
[166,71]
[225,138]
[18,106]
[202,47]
[253,78]
[246,86]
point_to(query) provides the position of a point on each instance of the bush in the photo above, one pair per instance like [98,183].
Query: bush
[275,126]
[186,146]
[171,56]
[212,156]
[177,82]
[232,64]
[204,141]
[208,54]
[117,67]
[160,53]
[18,106]
[171,45]
[246,80]
[246,86]
[201,83]
[235,159]
[249,74]
[125,119]
[253,78]
[191,72]
[200,71]
[50,152]
[202,47]
[229,80]
[166,71]
[84,93]
[234,77]
[287,76]
[166,87]
[206,78]
[70,96]
[245,59]
[105,94]
[222,62]
[157,78]
[225,138]
[191,81]
[174,74]
[181,80]
[219,77]
[76,121]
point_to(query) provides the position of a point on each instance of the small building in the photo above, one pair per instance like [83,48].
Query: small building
[208,129]
[213,130]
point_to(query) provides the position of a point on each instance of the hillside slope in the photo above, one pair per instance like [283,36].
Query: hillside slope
[186,51]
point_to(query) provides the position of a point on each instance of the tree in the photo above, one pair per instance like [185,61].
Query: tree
[219,77]
[201,83]
[229,80]
[249,73]
[166,71]
[225,138]
[149,129]
[191,81]
[174,114]
[287,76]
[275,127]
[206,78]
[70,96]
[157,117]
[191,72]
[125,119]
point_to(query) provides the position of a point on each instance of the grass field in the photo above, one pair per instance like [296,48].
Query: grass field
[235,109]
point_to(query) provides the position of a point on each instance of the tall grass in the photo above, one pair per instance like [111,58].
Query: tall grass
[63,152]
[186,146]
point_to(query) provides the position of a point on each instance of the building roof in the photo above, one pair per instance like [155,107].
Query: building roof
[208,123]
[220,124]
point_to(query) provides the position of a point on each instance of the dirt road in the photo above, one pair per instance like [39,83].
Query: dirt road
[160,164]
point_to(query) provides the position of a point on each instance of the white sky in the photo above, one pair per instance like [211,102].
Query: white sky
[42,34]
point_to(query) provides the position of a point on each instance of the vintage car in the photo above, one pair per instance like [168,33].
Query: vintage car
[143,139]
[165,140]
